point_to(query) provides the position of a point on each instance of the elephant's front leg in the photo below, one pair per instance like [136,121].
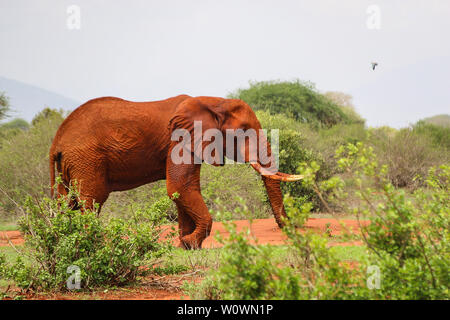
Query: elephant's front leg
[194,219]
[186,225]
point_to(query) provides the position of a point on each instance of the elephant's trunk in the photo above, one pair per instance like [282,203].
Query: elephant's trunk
[275,199]
[271,178]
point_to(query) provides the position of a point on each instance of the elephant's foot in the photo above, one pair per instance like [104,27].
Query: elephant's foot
[191,242]
[181,245]
[281,224]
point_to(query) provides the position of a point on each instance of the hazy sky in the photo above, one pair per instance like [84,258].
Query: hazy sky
[147,50]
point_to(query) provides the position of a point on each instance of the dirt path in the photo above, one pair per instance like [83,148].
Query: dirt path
[265,231]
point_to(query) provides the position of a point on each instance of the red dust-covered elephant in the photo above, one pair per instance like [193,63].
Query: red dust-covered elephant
[110,144]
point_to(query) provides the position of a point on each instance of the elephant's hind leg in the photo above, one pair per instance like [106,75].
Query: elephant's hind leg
[93,189]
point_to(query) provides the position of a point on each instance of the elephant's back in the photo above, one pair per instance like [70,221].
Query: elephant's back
[101,117]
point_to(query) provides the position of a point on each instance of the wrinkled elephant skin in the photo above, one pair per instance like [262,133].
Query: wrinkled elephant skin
[110,144]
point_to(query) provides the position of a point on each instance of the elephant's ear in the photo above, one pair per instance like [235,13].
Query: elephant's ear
[195,117]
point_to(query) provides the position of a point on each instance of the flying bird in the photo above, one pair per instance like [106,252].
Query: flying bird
[374,64]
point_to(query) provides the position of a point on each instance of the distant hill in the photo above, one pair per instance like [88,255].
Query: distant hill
[27,100]
[442,120]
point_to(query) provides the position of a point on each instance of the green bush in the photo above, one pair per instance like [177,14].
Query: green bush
[439,135]
[296,99]
[442,120]
[293,150]
[345,102]
[17,123]
[222,185]
[12,128]
[325,141]
[4,106]
[107,253]
[408,234]
[24,166]
[407,241]
[119,203]
[300,143]
[219,186]
[407,154]
[246,273]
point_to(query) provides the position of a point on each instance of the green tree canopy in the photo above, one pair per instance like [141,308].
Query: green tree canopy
[296,99]
[442,120]
[17,123]
[47,114]
[4,106]
[345,102]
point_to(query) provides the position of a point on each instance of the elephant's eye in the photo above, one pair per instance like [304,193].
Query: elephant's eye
[245,125]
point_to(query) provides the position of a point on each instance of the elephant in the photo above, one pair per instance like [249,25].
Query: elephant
[110,144]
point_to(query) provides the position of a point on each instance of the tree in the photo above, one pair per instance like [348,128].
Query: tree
[4,106]
[296,99]
[47,113]
[345,102]
[17,123]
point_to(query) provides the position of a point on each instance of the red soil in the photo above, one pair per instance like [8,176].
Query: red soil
[265,231]
[14,236]
[143,293]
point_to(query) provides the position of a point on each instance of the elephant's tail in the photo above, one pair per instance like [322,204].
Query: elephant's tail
[54,158]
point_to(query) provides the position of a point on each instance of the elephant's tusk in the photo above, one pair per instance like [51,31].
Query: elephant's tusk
[287,178]
[277,176]
[291,177]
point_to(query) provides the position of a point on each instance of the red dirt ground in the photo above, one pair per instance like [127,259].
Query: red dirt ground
[14,236]
[265,231]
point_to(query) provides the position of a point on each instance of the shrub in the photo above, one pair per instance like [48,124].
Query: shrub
[442,120]
[222,185]
[345,102]
[296,99]
[407,241]
[59,240]
[407,154]
[4,106]
[246,273]
[299,143]
[24,164]
[439,135]
[122,204]
[17,123]
[408,235]
[325,141]
[219,185]
[293,150]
